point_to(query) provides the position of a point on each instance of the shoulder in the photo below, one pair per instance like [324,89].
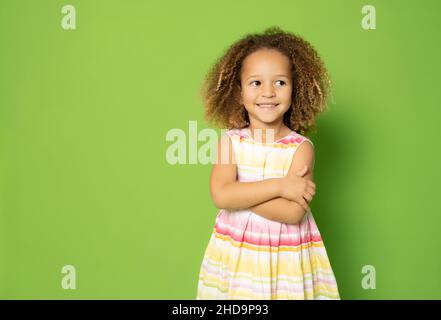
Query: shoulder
[226,146]
[235,137]
[298,143]
[303,155]
[302,144]
[236,133]
[296,140]
[231,136]
[303,149]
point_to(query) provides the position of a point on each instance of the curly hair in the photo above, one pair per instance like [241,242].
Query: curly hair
[220,90]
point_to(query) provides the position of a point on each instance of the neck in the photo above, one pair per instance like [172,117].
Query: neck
[277,128]
[272,131]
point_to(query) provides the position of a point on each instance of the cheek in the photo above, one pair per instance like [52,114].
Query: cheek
[287,93]
[248,95]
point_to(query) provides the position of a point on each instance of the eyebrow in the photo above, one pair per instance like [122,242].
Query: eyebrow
[277,75]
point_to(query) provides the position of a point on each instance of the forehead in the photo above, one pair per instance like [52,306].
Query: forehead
[266,61]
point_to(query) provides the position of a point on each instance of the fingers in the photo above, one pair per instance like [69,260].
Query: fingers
[303,202]
[305,206]
[307,197]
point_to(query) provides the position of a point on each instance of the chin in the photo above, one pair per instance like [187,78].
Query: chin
[268,120]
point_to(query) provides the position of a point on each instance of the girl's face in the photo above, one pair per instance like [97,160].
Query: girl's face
[266,86]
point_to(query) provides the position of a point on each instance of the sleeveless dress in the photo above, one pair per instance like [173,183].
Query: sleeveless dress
[249,257]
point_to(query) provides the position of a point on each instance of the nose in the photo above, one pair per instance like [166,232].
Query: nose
[268,90]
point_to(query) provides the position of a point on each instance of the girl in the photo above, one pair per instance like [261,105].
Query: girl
[265,243]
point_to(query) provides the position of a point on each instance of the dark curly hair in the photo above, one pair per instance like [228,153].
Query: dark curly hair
[220,90]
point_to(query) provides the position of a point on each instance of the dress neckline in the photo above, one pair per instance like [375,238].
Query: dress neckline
[248,132]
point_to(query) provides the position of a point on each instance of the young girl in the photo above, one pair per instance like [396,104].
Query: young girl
[267,89]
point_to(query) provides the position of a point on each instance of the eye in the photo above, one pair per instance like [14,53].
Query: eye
[283,82]
[256,81]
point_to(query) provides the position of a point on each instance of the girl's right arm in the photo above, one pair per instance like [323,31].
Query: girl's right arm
[227,192]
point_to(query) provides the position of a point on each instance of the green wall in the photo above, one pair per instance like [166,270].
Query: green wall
[84,114]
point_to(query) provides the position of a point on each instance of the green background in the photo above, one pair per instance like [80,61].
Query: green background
[83,119]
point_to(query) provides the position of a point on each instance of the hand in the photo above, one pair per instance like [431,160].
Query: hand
[297,188]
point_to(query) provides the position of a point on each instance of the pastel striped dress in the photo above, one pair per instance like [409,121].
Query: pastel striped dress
[250,257]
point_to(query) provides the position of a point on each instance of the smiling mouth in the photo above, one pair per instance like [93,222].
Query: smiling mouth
[268,106]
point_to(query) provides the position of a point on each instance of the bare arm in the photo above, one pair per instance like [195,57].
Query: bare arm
[242,195]
[283,210]
[280,210]
[227,192]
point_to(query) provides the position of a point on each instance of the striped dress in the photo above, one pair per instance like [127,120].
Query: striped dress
[251,257]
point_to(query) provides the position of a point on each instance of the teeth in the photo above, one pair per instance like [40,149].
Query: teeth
[267,105]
